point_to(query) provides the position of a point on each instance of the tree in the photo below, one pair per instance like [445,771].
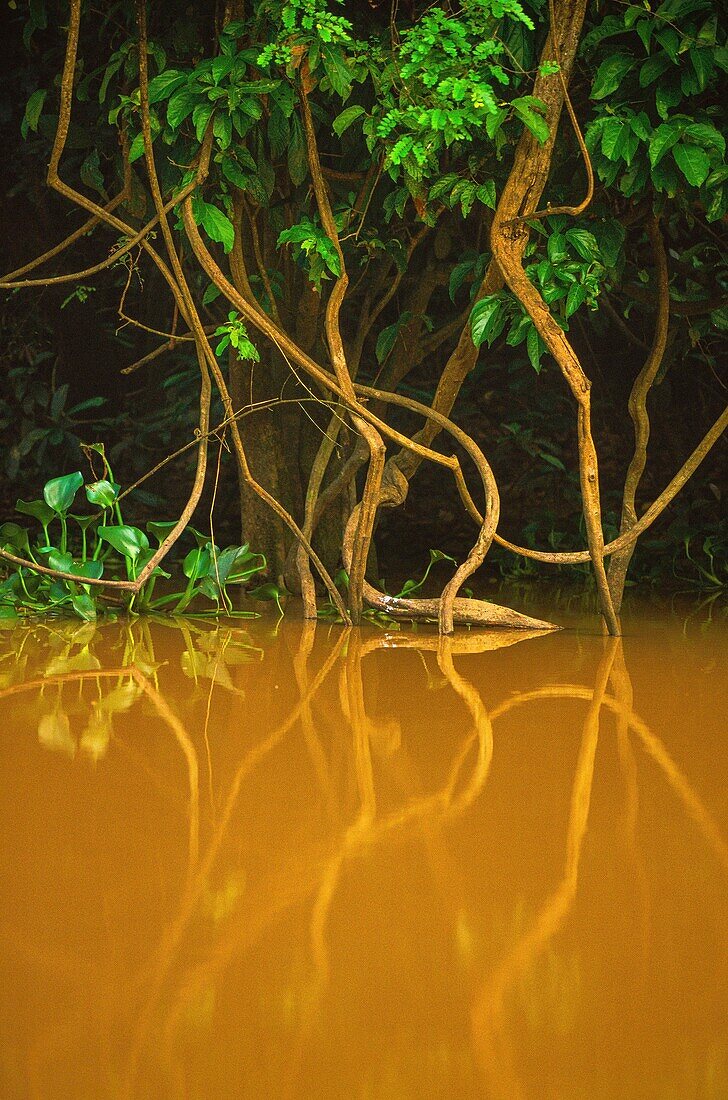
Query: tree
[314,183]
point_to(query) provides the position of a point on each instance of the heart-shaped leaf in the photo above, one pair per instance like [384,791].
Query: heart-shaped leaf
[63,562]
[91,568]
[196,564]
[160,530]
[102,493]
[84,606]
[38,509]
[129,541]
[59,492]
[14,536]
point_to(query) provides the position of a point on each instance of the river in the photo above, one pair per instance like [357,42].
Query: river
[266,860]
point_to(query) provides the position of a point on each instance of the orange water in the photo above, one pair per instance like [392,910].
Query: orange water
[252,861]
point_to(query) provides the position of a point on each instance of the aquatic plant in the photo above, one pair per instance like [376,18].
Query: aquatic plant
[76,562]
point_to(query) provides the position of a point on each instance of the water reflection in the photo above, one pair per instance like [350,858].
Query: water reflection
[299,861]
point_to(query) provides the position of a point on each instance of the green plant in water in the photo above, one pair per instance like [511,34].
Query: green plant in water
[102,544]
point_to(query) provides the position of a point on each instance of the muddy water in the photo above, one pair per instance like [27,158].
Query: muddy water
[252,861]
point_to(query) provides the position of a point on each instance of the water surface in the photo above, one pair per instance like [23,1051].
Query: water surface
[263,861]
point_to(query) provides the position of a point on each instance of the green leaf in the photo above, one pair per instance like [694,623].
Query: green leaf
[160,530]
[652,68]
[268,591]
[84,606]
[613,137]
[222,129]
[60,560]
[11,534]
[484,318]
[90,568]
[663,139]
[38,509]
[136,149]
[535,348]
[556,248]
[584,243]
[486,194]
[217,226]
[210,294]
[297,158]
[532,121]
[180,106]
[165,84]
[702,63]
[130,542]
[336,68]
[575,298]
[666,96]
[221,66]
[610,75]
[33,109]
[458,276]
[693,162]
[59,492]
[201,117]
[115,63]
[704,133]
[386,340]
[232,171]
[90,172]
[102,493]
[196,564]
[343,121]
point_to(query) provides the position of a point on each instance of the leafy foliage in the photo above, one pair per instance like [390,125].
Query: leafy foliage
[98,547]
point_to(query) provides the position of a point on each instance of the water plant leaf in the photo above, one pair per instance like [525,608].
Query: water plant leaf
[91,568]
[38,509]
[15,536]
[54,732]
[129,541]
[160,530]
[102,493]
[59,492]
[60,560]
[84,606]
[196,564]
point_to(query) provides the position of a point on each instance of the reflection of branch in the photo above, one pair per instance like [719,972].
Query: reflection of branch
[652,744]
[488,1012]
[65,677]
[172,939]
[622,684]
[170,719]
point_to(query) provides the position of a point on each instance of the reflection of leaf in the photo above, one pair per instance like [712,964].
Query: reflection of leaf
[200,666]
[95,738]
[80,662]
[120,698]
[193,663]
[54,732]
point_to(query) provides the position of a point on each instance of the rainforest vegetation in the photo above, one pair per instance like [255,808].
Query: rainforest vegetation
[270,264]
